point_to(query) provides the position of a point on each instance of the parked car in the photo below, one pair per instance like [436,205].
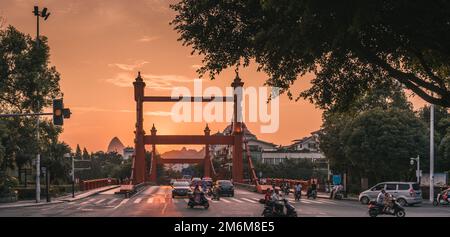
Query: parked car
[172,181]
[406,193]
[180,188]
[225,187]
[188,177]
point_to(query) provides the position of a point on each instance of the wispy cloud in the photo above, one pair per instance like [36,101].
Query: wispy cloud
[146,39]
[128,67]
[153,81]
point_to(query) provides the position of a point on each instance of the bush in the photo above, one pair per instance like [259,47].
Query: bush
[7,183]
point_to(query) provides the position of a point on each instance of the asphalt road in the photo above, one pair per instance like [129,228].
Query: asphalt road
[156,201]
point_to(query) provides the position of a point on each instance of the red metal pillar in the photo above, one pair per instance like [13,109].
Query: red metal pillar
[153,170]
[139,146]
[238,166]
[207,161]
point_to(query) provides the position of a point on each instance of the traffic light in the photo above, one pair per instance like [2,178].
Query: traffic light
[59,112]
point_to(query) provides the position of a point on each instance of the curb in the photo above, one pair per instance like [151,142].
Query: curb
[89,195]
[31,204]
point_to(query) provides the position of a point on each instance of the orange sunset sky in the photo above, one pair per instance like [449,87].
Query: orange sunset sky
[99,45]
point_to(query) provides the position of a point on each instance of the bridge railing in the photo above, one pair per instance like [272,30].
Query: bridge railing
[97,183]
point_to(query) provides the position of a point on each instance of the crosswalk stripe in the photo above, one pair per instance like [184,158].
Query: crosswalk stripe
[186,200]
[175,200]
[236,200]
[138,200]
[305,201]
[248,200]
[100,201]
[112,200]
[88,201]
[225,200]
[121,203]
[149,200]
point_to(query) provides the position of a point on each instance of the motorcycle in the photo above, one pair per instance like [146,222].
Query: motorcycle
[396,210]
[441,200]
[272,209]
[198,200]
[312,193]
[339,195]
[298,195]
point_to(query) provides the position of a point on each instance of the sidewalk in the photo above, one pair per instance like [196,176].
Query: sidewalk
[67,198]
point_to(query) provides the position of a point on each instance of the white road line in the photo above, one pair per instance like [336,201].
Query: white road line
[186,200]
[236,200]
[121,203]
[225,200]
[175,200]
[138,200]
[149,200]
[248,200]
[88,201]
[100,201]
[305,201]
[113,200]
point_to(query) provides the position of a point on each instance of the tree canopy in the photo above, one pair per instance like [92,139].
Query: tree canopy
[350,46]
[27,84]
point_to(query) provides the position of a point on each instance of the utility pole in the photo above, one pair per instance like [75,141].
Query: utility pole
[45,15]
[432,153]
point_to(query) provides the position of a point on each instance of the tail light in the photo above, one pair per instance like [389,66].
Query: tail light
[412,193]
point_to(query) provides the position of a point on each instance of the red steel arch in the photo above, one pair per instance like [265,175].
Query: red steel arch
[139,172]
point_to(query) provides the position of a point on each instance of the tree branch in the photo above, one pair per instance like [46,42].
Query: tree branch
[410,80]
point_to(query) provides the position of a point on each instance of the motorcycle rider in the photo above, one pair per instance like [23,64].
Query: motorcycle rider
[312,188]
[197,194]
[298,190]
[380,198]
[276,201]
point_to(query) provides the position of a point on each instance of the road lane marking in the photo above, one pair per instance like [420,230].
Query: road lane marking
[248,200]
[225,200]
[175,200]
[113,200]
[100,201]
[164,209]
[236,200]
[121,203]
[305,201]
[149,200]
[138,200]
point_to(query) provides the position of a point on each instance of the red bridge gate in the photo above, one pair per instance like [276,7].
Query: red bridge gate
[139,172]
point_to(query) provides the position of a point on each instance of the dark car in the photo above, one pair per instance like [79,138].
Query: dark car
[180,189]
[225,187]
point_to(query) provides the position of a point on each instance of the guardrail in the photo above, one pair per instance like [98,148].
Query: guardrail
[97,183]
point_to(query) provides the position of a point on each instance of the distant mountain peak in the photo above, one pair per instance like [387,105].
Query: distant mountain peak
[115,145]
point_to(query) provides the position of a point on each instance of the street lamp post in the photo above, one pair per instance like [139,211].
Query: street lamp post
[432,153]
[417,159]
[45,15]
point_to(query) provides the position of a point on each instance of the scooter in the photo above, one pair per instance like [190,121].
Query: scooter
[272,209]
[441,200]
[199,200]
[396,210]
